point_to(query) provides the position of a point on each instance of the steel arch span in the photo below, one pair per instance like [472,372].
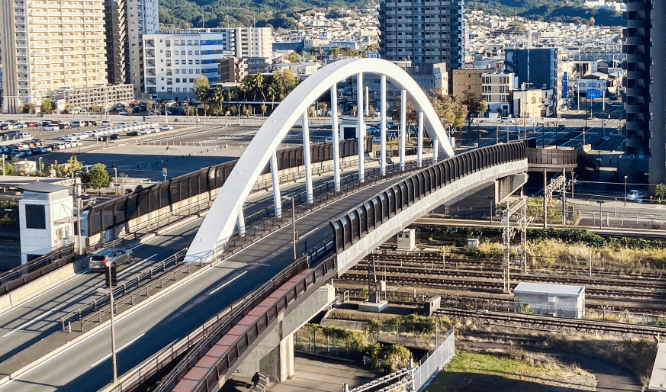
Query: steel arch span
[218,226]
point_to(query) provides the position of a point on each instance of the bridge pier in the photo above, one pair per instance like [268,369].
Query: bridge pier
[508,185]
[306,157]
[403,126]
[382,127]
[275,177]
[275,353]
[361,130]
[336,137]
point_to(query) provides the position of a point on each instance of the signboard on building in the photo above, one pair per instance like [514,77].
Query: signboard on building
[373,55]
[565,86]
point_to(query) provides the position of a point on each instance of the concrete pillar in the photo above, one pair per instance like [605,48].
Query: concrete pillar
[419,149]
[361,130]
[403,126]
[241,223]
[336,137]
[275,176]
[287,367]
[306,157]
[382,153]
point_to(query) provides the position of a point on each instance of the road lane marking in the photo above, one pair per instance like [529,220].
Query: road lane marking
[85,271]
[224,285]
[29,323]
[308,233]
[136,265]
[117,350]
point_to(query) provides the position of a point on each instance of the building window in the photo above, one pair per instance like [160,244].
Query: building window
[35,216]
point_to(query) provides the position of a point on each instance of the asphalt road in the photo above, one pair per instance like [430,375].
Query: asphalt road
[86,365]
[35,319]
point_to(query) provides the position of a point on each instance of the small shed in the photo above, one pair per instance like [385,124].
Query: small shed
[406,240]
[550,299]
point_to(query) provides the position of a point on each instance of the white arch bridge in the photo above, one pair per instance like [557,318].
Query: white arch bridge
[227,211]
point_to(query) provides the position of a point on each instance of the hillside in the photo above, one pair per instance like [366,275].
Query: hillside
[214,13]
[281,13]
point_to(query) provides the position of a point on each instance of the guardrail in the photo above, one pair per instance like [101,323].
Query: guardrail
[372,213]
[96,310]
[35,269]
[227,361]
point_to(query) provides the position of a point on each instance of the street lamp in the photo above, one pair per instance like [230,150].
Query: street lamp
[114,363]
[625,191]
[600,213]
[115,173]
[492,199]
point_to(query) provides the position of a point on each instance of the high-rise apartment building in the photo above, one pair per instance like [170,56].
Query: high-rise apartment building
[142,18]
[49,45]
[425,33]
[645,99]
[117,45]
[173,61]
[636,45]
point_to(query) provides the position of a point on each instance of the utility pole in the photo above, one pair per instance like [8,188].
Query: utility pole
[564,197]
[77,198]
[293,225]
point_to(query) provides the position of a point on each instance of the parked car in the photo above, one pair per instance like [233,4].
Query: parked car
[31,124]
[109,257]
[133,133]
[51,127]
[166,128]
[106,123]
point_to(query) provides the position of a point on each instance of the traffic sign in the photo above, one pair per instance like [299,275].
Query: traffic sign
[593,93]
[164,172]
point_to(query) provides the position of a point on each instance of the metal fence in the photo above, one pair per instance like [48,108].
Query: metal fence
[434,362]
[118,211]
[374,212]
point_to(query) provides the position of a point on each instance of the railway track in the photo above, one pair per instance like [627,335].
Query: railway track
[552,322]
[497,274]
[496,286]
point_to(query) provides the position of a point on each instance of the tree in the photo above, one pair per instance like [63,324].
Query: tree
[263,108]
[660,191]
[47,105]
[293,57]
[475,107]
[284,82]
[97,177]
[322,106]
[150,104]
[201,87]
[450,110]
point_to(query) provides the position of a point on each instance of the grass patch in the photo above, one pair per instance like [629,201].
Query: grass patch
[469,370]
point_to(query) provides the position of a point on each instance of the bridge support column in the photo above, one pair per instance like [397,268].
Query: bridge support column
[361,130]
[241,223]
[336,137]
[275,353]
[403,126]
[306,157]
[435,149]
[419,148]
[275,177]
[382,127]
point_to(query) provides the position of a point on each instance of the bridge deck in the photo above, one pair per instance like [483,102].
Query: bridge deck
[176,313]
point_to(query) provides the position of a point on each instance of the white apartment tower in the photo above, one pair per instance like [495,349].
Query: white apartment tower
[47,45]
[142,18]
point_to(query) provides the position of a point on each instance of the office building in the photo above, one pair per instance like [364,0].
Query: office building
[468,82]
[174,60]
[497,89]
[542,67]
[425,33]
[50,45]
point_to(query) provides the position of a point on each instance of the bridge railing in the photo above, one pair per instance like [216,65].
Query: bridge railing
[374,212]
[26,273]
